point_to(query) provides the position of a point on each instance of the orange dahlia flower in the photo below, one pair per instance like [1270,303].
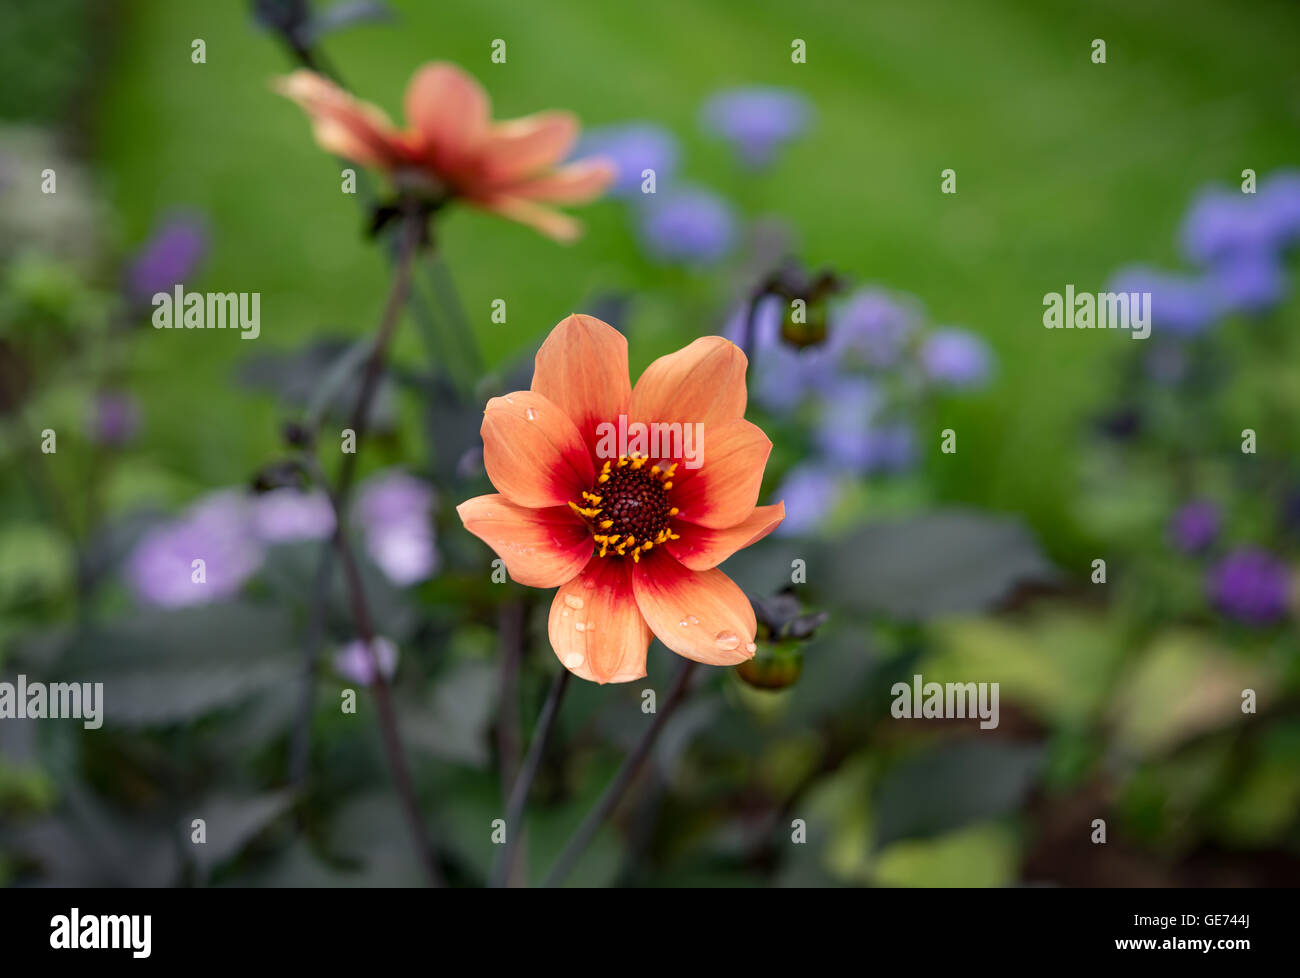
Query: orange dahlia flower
[453,147]
[632,539]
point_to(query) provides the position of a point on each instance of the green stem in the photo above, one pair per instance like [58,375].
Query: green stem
[596,817]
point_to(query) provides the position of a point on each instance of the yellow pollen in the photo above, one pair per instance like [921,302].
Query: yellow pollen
[631,498]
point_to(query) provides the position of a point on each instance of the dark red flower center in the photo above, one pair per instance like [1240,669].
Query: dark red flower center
[628,509]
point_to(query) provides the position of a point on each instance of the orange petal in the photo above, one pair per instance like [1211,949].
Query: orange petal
[523,147]
[574,183]
[595,626]
[723,490]
[702,382]
[700,548]
[532,452]
[342,125]
[553,224]
[699,614]
[449,109]
[582,367]
[540,547]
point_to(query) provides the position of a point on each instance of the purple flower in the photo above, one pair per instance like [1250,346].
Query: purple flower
[853,436]
[115,418]
[890,448]
[688,226]
[956,359]
[1194,527]
[847,412]
[286,515]
[395,511]
[1222,223]
[756,121]
[809,492]
[874,326]
[354,663]
[164,569]
[1250,282]
[1279,198]
[1180,305]
[1251,586]
[633,147]
[167,259]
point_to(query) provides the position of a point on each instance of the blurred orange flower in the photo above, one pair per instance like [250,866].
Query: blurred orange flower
[453,147]
[631,538]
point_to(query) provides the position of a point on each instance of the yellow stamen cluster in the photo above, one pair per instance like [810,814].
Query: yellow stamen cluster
[630,514]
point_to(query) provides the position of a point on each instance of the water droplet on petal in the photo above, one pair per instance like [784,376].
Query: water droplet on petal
[727,640]
[510,400]
[691,619]
[683,623]
[530,414]
[573,601]
[574,660]
[580,626]
[564,613]
[751,647]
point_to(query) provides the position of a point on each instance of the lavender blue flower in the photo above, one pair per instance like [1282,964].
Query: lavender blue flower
[115,418]
[809,492]
[217,530]
[874,326]
[1250,282]
[1279,198]
[1194,527]
[956,359]
[353,661]
[1222,223]
[853,435]
[395,512]
[167,259]
[690,226]
[287,515]
[756,121]
[1181,306]
[633,147]
[1251,586]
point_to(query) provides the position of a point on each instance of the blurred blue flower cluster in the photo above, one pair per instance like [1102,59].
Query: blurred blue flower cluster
[167,259]
[756,121]
[1236,242]
[207,554]
[1247,584]
[680,223]
[861,388]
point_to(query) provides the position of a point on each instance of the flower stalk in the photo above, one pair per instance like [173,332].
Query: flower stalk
[580,839]
[503,871]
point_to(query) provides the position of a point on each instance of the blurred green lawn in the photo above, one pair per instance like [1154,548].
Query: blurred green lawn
[1065,170]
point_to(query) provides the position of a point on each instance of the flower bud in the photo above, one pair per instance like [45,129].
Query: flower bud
[774,666]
